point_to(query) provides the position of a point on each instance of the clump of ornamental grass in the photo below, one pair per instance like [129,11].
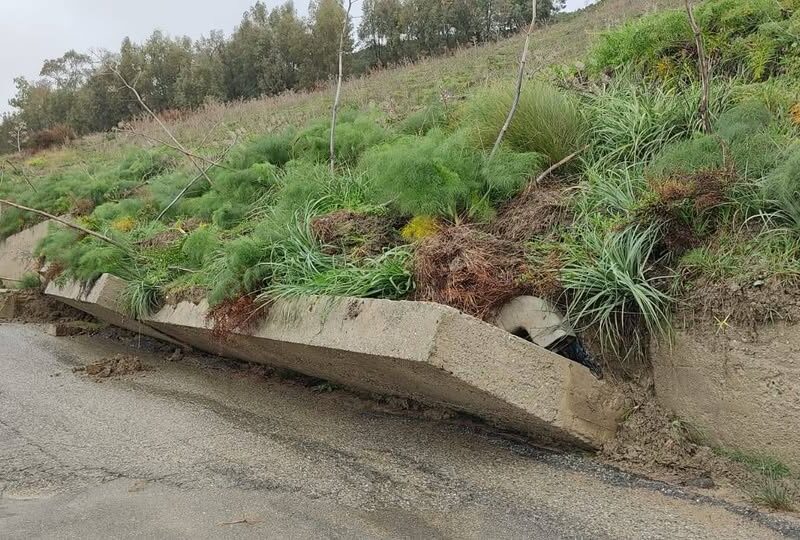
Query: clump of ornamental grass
[632,120]
[613,287]
[547,121]
[297,264]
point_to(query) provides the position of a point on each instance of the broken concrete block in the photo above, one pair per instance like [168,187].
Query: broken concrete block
[16,252]
[8,304]
[72,328]
[102,300]
[427,352]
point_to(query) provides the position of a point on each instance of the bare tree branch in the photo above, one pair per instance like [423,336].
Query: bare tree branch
[338,86]
[67,223]
[553,167]
[704,68]
[177,144]
[520,78]
[192,155]
[22,174]
[194,181]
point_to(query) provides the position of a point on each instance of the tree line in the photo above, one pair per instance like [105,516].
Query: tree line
[269,52]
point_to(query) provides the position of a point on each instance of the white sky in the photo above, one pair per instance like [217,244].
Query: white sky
[32,31]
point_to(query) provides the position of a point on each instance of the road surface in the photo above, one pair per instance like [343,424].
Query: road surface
[203,449]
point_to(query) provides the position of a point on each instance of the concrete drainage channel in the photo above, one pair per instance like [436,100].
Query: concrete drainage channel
[426,352]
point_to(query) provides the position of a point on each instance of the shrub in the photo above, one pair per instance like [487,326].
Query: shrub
[236,268]
[274,149]
[30,281]
[247,185]
[751,37]
[742,139]
[701,153]
[200,246]
[431,175]
[508,172]
[421,122]
[303,182]
[47,138]
[355,133]
[643,42]
[112,211]
[547,121]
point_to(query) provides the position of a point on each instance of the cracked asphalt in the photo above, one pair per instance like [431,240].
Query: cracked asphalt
[203,449]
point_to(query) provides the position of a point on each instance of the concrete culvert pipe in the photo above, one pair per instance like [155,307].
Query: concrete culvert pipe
[539,322]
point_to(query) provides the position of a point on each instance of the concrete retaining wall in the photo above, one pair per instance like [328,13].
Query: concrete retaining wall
[426,352]
[16,252]
[741,393]
[102,301]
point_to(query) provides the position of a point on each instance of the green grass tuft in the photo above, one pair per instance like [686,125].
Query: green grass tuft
[29,281]
[609,279]
[548,121]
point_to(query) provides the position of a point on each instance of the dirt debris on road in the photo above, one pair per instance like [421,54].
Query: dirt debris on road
[116,366]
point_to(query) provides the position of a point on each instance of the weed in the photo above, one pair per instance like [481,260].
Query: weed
[295,264]
[420,228]
[761,464]
[774,494]
[29,281]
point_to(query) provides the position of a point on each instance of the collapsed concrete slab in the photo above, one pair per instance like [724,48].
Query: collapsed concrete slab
[427,352]
[16,252]
[102,301]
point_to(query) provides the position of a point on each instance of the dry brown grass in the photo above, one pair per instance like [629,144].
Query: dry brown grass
[469,270]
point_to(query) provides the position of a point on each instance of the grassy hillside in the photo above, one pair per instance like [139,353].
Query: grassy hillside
[397,92]
[652,217]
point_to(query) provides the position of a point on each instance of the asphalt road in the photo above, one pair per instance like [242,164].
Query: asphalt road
[203,449]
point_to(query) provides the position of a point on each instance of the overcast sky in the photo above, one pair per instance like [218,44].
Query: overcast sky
[32,31]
